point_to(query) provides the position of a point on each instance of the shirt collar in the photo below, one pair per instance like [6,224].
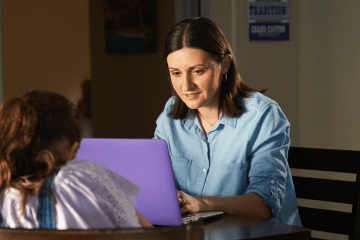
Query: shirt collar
[223,119]
[189,120]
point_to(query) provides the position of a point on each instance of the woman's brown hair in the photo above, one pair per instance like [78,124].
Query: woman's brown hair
[202,33]
[30,126]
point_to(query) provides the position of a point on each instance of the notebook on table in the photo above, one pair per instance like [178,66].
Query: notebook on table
[145,162]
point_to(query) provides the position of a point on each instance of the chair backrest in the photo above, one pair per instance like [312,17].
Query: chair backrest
[184,232]
[310,167]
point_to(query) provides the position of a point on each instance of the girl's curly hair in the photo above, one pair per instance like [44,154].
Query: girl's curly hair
[30,126]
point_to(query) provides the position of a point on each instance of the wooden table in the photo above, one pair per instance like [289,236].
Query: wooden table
[228,226]
[221,227]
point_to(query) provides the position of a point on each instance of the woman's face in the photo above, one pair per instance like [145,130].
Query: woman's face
[196,77]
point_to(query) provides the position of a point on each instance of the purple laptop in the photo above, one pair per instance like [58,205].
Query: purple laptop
[145,162]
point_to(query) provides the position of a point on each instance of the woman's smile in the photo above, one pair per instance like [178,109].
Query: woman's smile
[192,96]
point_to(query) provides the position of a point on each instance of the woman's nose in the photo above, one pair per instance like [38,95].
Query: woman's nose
[187,82]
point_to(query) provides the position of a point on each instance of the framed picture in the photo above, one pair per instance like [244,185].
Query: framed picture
[130,26]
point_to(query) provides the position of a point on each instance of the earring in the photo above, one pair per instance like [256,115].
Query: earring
[224,77]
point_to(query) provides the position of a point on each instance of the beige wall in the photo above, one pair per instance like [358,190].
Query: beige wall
[129,90]
[45,45]
[329,74]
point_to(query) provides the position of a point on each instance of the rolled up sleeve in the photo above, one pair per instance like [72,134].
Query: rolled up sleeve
[268,152]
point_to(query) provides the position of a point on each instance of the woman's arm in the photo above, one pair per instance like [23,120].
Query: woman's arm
[248,205]
[143,221]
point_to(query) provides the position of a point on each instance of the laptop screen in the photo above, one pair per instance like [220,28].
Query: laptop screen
[145,162]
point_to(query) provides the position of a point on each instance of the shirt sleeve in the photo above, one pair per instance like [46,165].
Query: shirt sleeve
[160,131]
[113,193]
[269,147]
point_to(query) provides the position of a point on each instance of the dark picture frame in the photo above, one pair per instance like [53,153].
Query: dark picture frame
[130,26]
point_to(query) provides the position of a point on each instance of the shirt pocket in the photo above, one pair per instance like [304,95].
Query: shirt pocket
[181,168]
[227,179]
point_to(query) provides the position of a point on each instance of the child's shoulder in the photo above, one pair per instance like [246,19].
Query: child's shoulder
[80,169]
[81,164]
[90,172]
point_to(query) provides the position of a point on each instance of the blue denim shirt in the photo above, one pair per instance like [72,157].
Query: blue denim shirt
[240,155]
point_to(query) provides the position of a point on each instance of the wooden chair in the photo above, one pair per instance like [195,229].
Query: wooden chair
[339,161]
[184,232]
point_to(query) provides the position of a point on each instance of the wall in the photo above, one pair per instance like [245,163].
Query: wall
[264,64]
[329,74]
[45,45]
[130,90]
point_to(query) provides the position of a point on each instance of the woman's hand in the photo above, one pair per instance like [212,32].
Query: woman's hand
[188,203]
[248,205]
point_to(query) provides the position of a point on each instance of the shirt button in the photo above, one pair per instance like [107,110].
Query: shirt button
[272,181]
[204,170]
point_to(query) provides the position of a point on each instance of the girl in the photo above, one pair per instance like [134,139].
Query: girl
[41,184]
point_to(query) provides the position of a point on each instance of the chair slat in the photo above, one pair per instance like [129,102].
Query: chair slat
[324,159]
[326,220]
[325,190]
[341,161]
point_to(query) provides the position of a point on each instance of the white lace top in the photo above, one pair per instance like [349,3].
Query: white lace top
[88,194]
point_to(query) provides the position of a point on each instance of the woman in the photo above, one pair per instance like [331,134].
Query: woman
[41,185]
[228,142]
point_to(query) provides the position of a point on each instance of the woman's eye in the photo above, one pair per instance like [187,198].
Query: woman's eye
[198,71]
[175,73]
